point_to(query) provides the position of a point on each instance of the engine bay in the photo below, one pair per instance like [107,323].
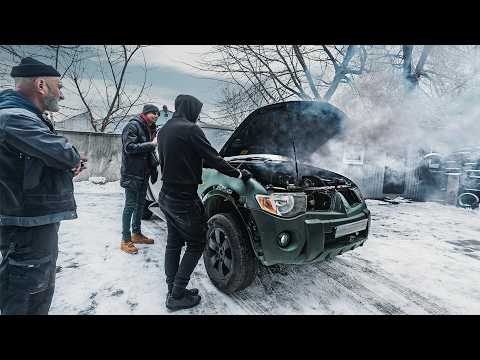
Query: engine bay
[318,184]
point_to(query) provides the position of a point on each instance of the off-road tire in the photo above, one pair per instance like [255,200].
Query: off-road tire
[147,214]
[243,265]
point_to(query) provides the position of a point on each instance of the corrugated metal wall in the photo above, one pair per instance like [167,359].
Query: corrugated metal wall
[370,176]
[411,182]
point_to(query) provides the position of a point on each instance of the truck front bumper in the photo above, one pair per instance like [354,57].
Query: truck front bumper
[314,236]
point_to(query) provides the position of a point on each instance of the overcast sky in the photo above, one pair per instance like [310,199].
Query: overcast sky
[169,73]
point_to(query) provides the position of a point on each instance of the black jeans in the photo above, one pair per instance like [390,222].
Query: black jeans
[133,211]
[28,268]
[186,224]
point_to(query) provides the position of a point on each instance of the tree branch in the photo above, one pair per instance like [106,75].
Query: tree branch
[306,71]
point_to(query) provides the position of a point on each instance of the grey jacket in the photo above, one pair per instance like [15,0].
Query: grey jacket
[36,185]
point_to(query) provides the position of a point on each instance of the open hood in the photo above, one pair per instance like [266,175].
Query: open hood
[295,129]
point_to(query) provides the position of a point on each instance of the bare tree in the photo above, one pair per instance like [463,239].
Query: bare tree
[62,57]
[102,86]
[452,69]
[234,103]
[109,99]
[264,74]
[59,56]
[411,73]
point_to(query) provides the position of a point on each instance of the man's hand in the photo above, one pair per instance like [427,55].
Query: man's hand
[155,141]
[245,175]
[77,170]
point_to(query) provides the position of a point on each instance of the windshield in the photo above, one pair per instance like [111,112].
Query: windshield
[217,137]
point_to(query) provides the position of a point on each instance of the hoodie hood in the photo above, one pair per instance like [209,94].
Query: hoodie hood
[12,99]
[188,107]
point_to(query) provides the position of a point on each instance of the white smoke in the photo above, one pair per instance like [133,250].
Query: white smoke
[391,124]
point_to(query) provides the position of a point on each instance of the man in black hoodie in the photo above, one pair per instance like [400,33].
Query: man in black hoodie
[36,189]
[183,152]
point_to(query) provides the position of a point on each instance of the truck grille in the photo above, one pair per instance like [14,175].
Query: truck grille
[318,201]
[322,200]
[332,241]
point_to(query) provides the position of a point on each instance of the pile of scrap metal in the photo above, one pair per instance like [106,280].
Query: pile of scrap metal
[454,178]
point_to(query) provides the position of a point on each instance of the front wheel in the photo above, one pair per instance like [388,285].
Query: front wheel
[229,258]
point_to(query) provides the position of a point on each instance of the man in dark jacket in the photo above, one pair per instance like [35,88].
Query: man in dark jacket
[36,189]
[138,164]
[183,151]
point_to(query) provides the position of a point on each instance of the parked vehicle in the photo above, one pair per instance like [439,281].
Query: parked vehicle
[292,212]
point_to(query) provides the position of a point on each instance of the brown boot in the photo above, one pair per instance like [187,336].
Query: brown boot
[128,247]
[141,239]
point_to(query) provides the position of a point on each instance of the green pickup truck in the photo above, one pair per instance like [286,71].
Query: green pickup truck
[291,212]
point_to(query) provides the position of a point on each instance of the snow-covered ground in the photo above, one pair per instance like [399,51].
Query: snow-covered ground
[421,258]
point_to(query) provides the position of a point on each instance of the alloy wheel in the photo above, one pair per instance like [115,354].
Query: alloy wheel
[219,252]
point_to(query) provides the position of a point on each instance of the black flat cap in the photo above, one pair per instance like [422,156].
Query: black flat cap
[30,67]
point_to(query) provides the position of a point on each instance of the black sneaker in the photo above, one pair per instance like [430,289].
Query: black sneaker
[185,302]
[192,292]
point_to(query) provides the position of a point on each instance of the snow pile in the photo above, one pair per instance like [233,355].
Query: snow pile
[98,180]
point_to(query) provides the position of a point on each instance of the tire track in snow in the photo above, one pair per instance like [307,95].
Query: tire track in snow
[332,296]
[276,281]
[409,294]
[358,289]
[269,292]
[249,303]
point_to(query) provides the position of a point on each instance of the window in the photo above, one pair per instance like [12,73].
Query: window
[354,154]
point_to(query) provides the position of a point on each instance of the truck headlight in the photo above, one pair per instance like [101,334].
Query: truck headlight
[283,204]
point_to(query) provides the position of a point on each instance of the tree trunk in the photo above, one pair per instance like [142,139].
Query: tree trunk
[340,72]
[412,76]
[300,58]
[410,80]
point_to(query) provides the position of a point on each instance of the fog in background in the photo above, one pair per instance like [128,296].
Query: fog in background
[383,116]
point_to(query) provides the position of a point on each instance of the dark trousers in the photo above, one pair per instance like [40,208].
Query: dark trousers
[28,268]
[133,211]
[186,224]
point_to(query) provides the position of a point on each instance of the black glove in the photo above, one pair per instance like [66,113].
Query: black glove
[246,175]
